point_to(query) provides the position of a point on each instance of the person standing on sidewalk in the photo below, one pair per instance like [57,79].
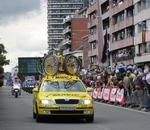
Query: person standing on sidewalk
[146,80]
[139,91]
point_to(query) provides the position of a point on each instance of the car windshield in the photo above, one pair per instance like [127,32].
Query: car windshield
[62,86]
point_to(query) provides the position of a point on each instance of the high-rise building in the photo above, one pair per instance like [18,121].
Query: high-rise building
[57,10]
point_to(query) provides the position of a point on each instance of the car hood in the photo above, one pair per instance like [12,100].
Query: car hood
[60,95]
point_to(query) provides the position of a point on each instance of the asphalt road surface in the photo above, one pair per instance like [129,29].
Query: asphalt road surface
[16,114]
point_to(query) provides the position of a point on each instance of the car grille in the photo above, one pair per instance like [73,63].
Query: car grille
[66,101]
[66,112]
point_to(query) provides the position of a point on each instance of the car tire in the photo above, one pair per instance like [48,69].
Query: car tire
[38,117]
[90,119]
[34,115]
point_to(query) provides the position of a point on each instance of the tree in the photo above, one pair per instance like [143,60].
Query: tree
[3,60]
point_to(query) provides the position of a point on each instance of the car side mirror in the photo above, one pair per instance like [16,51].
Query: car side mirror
[35,90]
[89,89]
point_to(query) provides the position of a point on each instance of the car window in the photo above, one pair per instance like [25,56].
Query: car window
[61,86]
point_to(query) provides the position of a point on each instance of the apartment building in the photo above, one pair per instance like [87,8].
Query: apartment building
[95,33]
[142,31]
[104,7]
[75,28]
[121,31]
[57,10]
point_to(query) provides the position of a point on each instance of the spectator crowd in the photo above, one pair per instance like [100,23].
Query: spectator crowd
[134,80]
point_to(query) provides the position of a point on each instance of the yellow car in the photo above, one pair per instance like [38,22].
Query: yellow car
[62,95]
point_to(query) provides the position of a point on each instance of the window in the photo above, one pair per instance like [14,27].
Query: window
[93,59]
[148,47]
[137,50]
[130,11]
[118,36]
[140,27]
[105,23]
[93,45]
[130,31]
[143,4]
[105,7]
[92,16]
[148,3]
[93,30]
[136,29]
[118,17]
[142,48]
[148,24]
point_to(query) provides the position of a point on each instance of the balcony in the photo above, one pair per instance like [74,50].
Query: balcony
[64,8]
[143,58]
[138,37]
[67,30]
[50,23]
[93,38]
[57,13]
[102,1]
[63,3]
[144,14]
[105,15]
[92,22]
[59,38]
[92,8]
[121,43]
[66,41]
[55,33]
[67,19]
[119,7]
[121,25]
[93,52]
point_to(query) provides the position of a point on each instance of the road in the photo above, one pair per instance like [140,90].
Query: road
[16,114]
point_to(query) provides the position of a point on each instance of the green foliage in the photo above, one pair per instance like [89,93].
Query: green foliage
[3,52]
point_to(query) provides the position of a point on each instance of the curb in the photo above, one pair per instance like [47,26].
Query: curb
[124,108]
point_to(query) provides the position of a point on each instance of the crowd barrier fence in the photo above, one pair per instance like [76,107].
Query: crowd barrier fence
[109,94]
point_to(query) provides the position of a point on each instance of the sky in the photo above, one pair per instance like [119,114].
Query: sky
[23,29]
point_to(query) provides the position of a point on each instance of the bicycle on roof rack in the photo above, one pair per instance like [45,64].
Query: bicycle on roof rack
[51,64]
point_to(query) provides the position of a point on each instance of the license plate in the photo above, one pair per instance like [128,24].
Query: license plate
[67,109]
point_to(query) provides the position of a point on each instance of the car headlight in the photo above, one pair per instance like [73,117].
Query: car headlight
[86,102]
[47,102]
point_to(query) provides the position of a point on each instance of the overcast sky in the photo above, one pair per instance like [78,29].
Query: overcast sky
[23,29]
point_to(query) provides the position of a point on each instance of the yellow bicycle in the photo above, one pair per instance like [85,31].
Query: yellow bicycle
[53,64]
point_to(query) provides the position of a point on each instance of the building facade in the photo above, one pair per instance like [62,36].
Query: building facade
[29,67]
[124,25]
[57,10]
[121,32]
[75,28]
[105,58]
[95,37]
[142,31]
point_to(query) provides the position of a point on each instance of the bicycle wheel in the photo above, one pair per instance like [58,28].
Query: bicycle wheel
[39,67]
[50,64]
[71,64]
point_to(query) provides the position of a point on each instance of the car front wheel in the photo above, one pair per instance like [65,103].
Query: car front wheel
[37,116]
[34,115]
[90,119]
